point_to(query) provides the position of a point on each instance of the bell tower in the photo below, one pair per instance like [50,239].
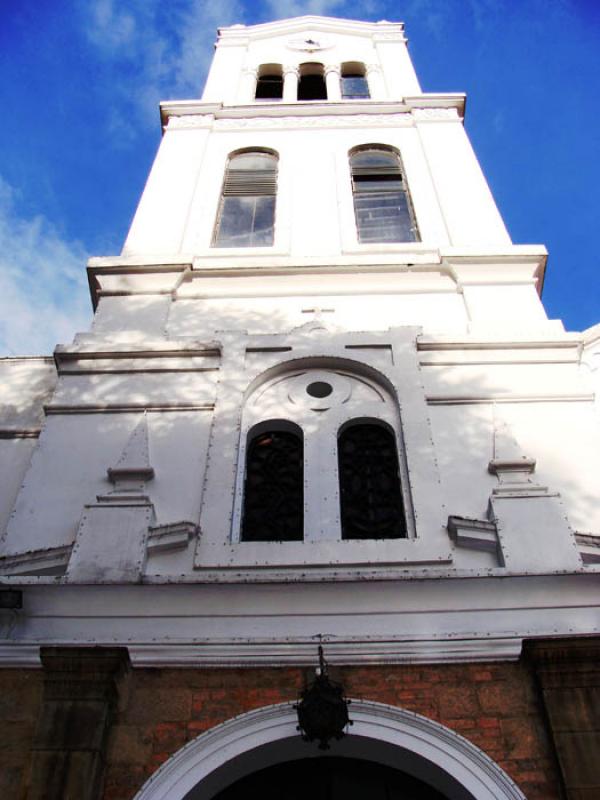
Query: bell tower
[321,403]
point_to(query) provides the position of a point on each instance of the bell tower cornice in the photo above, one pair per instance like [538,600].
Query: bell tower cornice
[239,35]
[437,106]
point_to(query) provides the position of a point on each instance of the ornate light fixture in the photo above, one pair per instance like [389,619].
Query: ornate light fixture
[323,709]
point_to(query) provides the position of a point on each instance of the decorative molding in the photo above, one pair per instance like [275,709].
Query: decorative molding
[453,400]
[47,561]
[392,36]
[133,468]
[20,433]
[283,653]
[589,547]
[99,408]
[474,534]
[516,466]
[309,44]
[350,121]
[383,733]
[434,114]
[196,121]
[170,537]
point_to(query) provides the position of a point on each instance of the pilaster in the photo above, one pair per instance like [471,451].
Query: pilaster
[568,675]
[80,696]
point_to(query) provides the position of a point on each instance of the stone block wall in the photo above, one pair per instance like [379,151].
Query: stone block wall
[20,702]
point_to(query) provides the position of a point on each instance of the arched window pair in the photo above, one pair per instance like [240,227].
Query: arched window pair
[371,505]
[311,82]
[382,207]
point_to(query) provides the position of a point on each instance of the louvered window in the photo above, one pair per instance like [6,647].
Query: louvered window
[381,201]
[247,210]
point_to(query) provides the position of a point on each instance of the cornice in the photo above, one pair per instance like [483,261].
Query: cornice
[202,114]
[155,275]
[169,623]
[242,34]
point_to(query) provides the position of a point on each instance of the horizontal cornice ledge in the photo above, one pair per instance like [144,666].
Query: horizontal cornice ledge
[517,265]
[480,618]
[123,276]
[242,34]
[346,108]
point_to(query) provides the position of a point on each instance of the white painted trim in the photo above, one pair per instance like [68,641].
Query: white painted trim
[390,735]
[283,653]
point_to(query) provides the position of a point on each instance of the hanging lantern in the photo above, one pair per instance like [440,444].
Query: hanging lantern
[323,709]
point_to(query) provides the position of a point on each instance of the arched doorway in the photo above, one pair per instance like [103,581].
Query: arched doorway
[432,756]
[332,778]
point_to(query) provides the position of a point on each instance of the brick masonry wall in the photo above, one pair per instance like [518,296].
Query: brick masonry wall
[495,706]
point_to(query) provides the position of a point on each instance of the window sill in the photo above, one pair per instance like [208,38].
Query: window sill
[371,553]
[355,248]
[216,252]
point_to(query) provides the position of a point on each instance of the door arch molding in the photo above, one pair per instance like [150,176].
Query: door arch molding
[381,733]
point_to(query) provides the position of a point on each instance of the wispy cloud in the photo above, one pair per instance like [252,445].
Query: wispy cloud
[281,9]
[43,292]
[157,50]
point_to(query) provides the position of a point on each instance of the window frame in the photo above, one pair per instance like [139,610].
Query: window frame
[239,186]
[374,422]
[322,513]
[386,176]
[256,431]
[312,69]
[356,70]
[266,72]
[241,402]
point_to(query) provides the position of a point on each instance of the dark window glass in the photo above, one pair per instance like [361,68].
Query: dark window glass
[273,490]
[247,209]
[370,494]
[269,87]
[355,87]
[381,202]
[312,87]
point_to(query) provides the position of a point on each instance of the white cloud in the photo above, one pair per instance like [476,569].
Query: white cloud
[158,50]
[281,9]
[43,287]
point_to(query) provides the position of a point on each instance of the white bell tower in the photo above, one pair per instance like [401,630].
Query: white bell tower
[321,399]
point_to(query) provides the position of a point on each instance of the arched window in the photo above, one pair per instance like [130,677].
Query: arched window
[381,201]
[311,85]
[246,216]
[354,82]
[370,492]
[274,484]
[269,85]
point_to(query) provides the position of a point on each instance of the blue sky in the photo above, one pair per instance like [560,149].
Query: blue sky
[81,80]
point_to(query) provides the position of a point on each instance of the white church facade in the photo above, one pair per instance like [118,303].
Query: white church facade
[320,403]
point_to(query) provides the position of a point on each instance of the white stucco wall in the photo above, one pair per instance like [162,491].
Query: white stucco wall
[493,406]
